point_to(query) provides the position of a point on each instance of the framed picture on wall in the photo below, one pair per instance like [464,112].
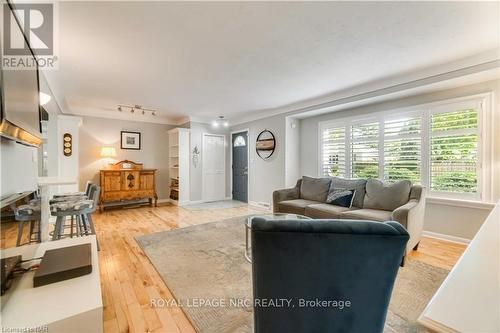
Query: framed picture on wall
[130,140]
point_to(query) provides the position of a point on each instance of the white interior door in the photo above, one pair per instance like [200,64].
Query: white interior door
[214,167]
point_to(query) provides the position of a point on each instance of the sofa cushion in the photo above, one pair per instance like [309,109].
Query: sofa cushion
[367,214]
[340,197]
[314,188]
[325,211]
[296,206]
[351,184]
[386,197]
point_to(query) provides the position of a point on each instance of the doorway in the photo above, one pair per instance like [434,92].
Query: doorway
[239,148]
[214,167]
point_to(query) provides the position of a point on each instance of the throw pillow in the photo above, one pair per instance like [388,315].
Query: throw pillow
[315,189]
[340,197]
[352,184]
[386,196]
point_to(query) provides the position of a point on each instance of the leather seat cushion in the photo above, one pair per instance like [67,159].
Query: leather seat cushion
[296,206]
[325,211]
[367,214]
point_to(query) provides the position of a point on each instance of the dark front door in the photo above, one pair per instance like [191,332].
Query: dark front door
[240,166]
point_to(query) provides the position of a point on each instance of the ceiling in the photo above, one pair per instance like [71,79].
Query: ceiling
[203,59]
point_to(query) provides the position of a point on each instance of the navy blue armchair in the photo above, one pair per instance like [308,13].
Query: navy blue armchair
[324,275]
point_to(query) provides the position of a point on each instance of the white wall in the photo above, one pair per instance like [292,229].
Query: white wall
[451,220]
[19,167]
[265,176]
[68,165]
[98,132]
[292,151]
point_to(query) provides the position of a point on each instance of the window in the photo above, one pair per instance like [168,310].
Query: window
[333,159]
[454,139]
[402,142]
[239,141]
[437,146]
[364,150]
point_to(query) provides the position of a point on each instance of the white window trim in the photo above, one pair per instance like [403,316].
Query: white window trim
[485,132]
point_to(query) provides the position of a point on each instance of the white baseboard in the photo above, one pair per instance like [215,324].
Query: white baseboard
[195,202]
[265,205]
[164,200]
[445,237]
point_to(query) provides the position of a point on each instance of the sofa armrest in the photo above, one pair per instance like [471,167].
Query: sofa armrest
[285,194]
[411,216]
[401,213]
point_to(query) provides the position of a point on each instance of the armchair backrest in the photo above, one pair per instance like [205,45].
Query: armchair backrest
[348,266]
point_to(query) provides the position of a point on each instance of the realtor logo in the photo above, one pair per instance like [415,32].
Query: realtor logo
[26,25]
[37,23]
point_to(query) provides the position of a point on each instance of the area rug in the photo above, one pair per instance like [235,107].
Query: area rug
[215,205]
[205,263]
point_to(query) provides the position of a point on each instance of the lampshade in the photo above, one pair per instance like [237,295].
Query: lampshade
[44,98]
[108,152]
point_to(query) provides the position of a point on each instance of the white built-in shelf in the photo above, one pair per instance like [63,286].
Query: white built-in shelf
[178,153]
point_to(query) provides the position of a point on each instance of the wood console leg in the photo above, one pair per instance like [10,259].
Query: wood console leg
[415,248]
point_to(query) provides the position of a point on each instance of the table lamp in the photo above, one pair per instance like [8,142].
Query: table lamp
[108,153]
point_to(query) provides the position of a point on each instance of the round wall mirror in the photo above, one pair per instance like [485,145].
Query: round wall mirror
[265,144]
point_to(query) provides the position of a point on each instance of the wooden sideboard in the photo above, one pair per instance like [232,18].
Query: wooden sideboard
[127,180]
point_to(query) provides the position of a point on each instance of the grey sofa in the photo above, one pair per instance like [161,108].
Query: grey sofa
[324,260]
[373,200]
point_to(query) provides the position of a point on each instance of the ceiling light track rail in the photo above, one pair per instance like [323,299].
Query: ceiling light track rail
[136,108]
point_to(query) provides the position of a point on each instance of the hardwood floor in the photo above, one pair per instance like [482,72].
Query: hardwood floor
[129,281]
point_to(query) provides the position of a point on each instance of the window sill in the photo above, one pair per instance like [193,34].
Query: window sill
[460,203]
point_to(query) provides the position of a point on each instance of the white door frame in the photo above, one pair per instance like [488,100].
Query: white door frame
[223,136]
[231,161]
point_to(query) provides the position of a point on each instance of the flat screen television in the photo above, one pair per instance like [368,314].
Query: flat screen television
[19,96]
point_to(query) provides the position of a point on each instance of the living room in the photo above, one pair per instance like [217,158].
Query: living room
[250,166]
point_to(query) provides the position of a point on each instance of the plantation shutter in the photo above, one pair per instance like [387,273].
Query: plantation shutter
[333,159]
[402,149]
[365,150]
[454,151]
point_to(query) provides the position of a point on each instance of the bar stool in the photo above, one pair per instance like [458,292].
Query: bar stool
[72,209]
[86,213]
[72,197]
[75,194]
[30,213]
[79,208]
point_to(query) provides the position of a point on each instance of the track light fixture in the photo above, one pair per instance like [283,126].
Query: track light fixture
[133,108]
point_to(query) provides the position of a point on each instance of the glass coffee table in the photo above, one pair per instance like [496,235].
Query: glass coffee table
[274,216]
